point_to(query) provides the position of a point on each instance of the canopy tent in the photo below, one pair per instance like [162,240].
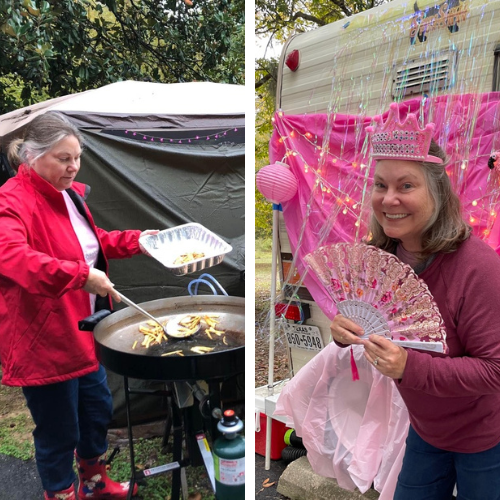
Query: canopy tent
[137,103]
[158,156]
[147,169]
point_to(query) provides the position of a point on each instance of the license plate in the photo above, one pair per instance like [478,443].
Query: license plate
[304,337]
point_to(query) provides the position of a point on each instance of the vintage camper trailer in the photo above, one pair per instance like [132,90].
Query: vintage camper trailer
[357,66]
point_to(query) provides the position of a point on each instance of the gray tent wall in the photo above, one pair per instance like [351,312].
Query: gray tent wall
[145,185]
[140,184]
[151,185]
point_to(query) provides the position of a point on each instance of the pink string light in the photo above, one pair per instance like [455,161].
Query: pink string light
[215,136]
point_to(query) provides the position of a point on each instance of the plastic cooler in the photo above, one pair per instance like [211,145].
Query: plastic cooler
[278,431]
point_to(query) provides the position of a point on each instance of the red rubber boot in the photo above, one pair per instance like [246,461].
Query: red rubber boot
[95,483]
[68,494]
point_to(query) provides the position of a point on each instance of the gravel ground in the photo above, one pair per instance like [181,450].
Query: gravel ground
[281,369]
[19,479]
[266,481]
[281,362]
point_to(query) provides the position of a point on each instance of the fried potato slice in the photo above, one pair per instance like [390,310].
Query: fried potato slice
[201,349]
[187,257]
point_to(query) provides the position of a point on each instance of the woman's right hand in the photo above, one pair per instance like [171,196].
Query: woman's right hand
[344,331]
[99,284]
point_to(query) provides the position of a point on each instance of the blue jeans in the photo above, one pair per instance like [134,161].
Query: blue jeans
[429,473]
[69,416]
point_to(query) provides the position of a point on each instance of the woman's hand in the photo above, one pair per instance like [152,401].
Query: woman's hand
[99,284]
[388,358]
[345,331]
[145,233]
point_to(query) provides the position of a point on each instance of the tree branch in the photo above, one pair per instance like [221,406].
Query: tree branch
[308,17]
[263,80]
[343,7]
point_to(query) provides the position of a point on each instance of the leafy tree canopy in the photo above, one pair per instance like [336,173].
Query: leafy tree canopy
[57,47]
[280,18]
[277,20]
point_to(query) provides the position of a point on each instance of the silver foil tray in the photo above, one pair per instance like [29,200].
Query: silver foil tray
[169,244]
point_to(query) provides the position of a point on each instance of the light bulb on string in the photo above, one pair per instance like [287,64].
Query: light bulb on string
[182,140]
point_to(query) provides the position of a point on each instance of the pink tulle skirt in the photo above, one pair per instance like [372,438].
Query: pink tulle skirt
[354,431]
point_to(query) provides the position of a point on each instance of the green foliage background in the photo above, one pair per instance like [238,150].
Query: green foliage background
[52,48]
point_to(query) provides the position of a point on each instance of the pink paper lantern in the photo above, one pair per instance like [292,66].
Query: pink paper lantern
[276,182]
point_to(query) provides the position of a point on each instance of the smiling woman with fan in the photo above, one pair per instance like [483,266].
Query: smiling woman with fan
[453,397]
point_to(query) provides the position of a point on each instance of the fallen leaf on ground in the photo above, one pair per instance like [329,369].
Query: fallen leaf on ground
[266,483]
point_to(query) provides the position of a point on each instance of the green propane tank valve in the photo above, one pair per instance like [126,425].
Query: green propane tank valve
[229,459]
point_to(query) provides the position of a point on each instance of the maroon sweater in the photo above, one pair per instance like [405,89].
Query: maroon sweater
[454,399]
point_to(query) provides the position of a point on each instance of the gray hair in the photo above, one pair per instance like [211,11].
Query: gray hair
[40,136]
[446,228]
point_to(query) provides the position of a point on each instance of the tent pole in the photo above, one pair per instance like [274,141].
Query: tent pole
[272,320]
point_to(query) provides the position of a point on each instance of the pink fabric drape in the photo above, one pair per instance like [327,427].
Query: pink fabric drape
[329,156]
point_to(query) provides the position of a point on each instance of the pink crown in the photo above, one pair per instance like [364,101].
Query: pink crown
[394,140]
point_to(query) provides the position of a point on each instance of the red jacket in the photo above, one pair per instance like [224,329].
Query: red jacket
[42,272]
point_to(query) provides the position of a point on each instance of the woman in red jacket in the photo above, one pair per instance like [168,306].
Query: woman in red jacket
[53,273]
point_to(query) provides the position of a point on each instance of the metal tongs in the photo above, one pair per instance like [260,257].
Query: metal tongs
[172,328]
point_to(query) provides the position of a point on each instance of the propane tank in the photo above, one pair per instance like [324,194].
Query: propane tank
[229,459]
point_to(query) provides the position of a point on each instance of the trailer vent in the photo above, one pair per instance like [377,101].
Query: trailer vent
[425,76]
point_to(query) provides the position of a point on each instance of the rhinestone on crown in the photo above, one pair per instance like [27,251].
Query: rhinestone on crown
[396,140]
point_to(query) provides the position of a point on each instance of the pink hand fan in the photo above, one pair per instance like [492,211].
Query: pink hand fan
[380,293]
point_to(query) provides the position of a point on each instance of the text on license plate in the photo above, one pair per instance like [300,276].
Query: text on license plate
[304,337]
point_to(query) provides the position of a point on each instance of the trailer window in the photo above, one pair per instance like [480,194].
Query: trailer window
[496,70]
[419,76]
